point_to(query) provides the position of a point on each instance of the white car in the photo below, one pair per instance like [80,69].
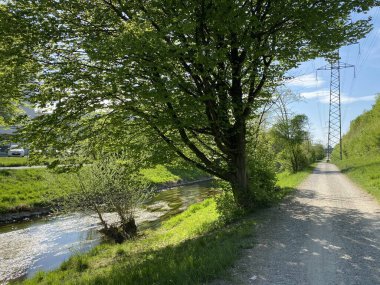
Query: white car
[20,152]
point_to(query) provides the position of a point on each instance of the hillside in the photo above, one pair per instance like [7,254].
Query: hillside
[361,150]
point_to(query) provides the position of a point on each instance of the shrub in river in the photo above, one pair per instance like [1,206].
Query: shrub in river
[108,185]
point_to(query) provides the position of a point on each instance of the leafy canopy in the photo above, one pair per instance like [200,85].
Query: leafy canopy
[192,71]
[17,68]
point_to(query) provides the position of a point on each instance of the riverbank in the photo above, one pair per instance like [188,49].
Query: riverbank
[44,243]
[13,161]
[193,247]
[6,218]
[29,193]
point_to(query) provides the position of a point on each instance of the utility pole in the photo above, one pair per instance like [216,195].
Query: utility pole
[335,114]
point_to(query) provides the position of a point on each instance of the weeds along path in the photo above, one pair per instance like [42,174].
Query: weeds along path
[328,232]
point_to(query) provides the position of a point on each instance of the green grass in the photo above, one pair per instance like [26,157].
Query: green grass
[361,151]
[161,174]
[365,171]
[190,248]
[193,247]
[13,161]
[25,189]
[291,180]
[363,138]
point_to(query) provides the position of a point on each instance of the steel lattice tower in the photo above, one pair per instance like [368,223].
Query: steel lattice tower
[335,114]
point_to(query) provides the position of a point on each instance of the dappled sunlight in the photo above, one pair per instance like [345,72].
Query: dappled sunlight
[319,236]
[359,252]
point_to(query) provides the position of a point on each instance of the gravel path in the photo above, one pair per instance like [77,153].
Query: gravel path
[327,233]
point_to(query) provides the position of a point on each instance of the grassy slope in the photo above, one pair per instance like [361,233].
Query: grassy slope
[25,189]
[190,248]
[361,148]
[365,171]
[163,173]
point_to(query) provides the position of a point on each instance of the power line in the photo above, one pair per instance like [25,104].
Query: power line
[335,114]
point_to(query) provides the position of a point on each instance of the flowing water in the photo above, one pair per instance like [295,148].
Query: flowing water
[43,244]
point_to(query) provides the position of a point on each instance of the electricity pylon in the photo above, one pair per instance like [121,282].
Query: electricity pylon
[335,114]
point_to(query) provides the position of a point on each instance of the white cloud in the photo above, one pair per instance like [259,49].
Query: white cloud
[323,96]
[316,94]
[305,81]
[347,100]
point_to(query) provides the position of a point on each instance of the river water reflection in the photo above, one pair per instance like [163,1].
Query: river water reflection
[43,244]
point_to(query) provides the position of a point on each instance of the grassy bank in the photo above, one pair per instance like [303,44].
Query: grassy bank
[365,171]
[361,151]
[27,189]
[13,161]
[190,248]
[162,174]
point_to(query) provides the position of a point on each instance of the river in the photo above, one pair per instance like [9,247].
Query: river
[43,244]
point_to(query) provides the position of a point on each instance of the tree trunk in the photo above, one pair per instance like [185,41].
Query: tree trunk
[294,161]
[240,185]
[103,222]
[128,224]
[240,181]
[130,228]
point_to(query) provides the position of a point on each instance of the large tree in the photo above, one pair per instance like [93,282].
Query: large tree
[193,71]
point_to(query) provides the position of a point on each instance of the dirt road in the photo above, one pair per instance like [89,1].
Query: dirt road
[328,233]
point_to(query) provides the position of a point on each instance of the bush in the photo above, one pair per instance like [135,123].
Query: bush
[262,184]
[109,186]
[262,175]
[226,207]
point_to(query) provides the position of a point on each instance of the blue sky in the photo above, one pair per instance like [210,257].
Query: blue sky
[357,93]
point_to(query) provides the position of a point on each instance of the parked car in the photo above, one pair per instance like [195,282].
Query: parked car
[16,151]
